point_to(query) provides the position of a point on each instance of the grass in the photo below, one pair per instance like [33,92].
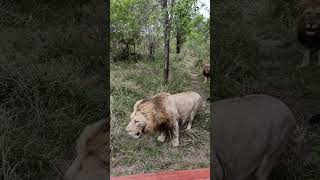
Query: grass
[234,57]
[52,84]
[132,81]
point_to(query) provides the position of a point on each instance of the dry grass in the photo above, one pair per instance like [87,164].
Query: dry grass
[52,85]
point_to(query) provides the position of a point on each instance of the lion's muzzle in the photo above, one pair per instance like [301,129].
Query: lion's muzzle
[311,29]
[134,134]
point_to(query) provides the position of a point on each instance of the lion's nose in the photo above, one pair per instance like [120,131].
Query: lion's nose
[308,25]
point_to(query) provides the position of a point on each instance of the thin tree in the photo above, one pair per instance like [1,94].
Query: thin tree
[166,37]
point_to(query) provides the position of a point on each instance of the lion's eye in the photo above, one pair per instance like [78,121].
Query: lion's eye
[135,121]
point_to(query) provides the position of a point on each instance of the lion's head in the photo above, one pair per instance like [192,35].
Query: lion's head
[309,14]
[206,68]
[137,122]
[148,115]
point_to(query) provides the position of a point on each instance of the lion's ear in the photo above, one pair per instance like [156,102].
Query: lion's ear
[305,4]
[91,135]
[137,104]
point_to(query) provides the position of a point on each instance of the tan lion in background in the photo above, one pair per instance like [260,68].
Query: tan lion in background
[308,28]
[92,153]
[206,72]
[164,112]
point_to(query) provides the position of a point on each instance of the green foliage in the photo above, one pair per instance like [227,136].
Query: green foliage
[130,26]
[198,39]
[129,23]
[183,13]
[123,19]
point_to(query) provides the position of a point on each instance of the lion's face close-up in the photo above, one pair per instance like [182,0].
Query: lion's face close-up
[136,125]
[206,68]
[311,16]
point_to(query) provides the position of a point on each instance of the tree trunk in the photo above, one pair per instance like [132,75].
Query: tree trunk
[134,51]
[151,49]
[166,38]
[127,52]
[144,47]
[178,37]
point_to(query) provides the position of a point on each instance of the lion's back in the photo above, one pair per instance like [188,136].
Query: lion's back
[262,120]
[186,102]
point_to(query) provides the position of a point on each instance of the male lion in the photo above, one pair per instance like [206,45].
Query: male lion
[206,72]
[165,113]
[308,28]
[249,135]
[92,155]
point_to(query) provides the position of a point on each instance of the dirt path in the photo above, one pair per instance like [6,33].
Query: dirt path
[195,73]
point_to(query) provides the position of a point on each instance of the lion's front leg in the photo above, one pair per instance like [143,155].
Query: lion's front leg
[205,80]
[306,58]
[162,136]
[175,132]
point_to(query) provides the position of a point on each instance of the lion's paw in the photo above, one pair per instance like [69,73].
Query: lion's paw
[161,138]
[175,142]
[188,127]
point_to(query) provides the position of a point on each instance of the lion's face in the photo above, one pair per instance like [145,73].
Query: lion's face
[206,68]
[136,125]
[311,16]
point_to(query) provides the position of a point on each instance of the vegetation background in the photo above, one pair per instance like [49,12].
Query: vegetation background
[137,52]
[52,83]
[256,50]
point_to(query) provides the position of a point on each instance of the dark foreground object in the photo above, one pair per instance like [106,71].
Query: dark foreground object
[250,134]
